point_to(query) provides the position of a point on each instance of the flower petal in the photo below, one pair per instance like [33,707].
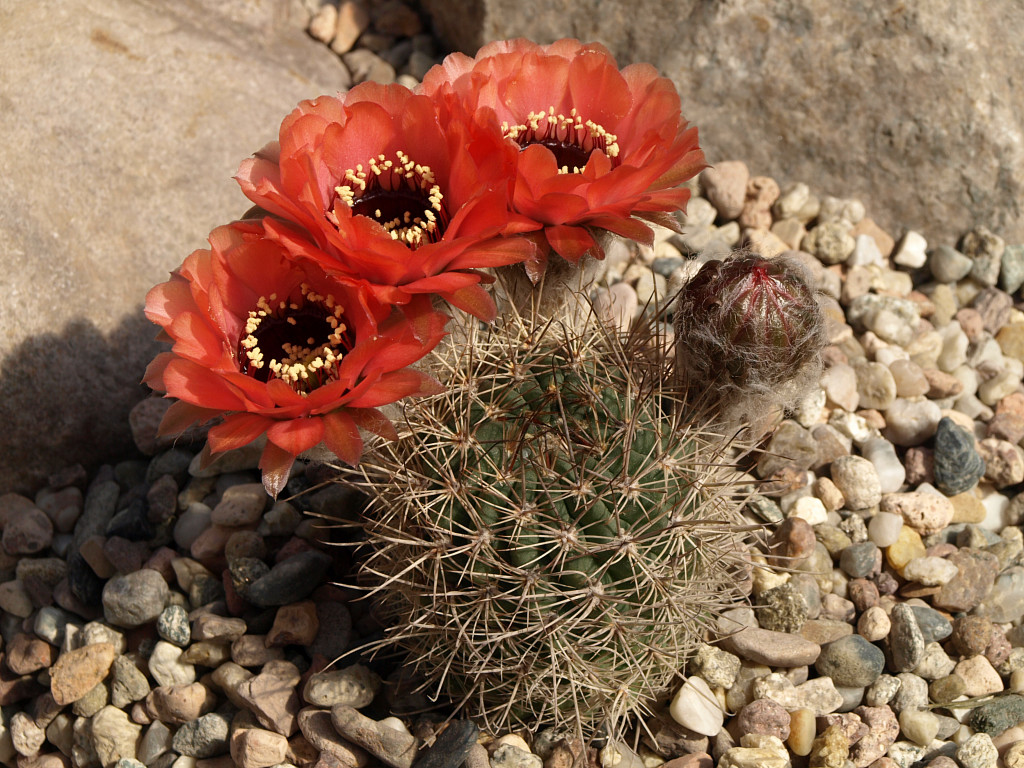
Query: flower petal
[341,436]
[296,435]
[276,464]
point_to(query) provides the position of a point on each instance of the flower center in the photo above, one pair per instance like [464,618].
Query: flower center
[401,195]
[570,138]
[300,341]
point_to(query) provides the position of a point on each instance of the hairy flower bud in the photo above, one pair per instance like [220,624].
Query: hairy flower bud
[748,334]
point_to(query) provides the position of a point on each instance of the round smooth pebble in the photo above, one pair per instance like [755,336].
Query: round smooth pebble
[911,422]
[884,528]
[801,731]
[240,505]
[134,599]
[873,624]
[857,480]
[696,707]
[882,454]
[851,662]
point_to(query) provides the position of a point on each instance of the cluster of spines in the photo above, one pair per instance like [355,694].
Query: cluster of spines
[549,536]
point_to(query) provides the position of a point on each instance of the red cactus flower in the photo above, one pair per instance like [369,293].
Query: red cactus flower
[409,194]
[276,346]
[598,145]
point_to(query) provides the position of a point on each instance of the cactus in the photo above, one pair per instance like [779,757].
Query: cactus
[551,535]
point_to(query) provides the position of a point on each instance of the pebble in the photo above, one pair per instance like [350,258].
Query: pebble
[926,513]
[452,746]
[173,626]
[725,187]
[884,528]
[756,751]
[818,694]
[290,580]
[911,422]
[114,735]
[696,707]
[857,480]
[979,676]
[257,748]
[28,532]
[166,667]
[390,746]
[204,737]
[777,649]
[958,466]
[355,686]
[851,662]
[874,624]
[240,505]
[976,574]
[76,672]
[977,751]
[134,599]
[272,697]
[906,640]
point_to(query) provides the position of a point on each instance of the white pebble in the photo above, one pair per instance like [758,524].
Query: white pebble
[882,454]
[911,422]
[865,251]
[696,707]
[884,528]
[811,509]
[912,251]
[930,571]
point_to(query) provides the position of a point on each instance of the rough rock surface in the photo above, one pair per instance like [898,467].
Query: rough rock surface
[123,123]
[841,93]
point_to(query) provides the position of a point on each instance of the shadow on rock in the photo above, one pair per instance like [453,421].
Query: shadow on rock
[65,399]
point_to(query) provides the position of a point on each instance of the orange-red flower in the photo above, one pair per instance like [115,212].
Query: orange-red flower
[599,145]
[408,193]
[276,346]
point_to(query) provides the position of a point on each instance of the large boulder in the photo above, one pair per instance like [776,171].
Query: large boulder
[916,108]
[122,123]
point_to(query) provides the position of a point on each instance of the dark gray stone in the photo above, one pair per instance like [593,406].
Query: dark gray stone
[206,736]
[451,747]
[851,662]
[291,580]
[958,467]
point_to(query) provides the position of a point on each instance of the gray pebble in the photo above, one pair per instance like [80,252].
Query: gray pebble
[906,641]
[851,662]
[206,736]
[933,625]
[958,466]
[290,580]
[173,626]
[135,598]
[861,560]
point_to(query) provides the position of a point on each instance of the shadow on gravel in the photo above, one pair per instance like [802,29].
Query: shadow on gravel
[65,398]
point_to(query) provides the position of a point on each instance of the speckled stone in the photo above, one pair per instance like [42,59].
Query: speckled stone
[958,466]
[782,609]
[851,662]
[976,574]
[857,478]
[997,715]
[906,641]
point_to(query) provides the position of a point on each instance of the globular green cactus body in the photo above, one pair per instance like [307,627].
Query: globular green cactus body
[548,534]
